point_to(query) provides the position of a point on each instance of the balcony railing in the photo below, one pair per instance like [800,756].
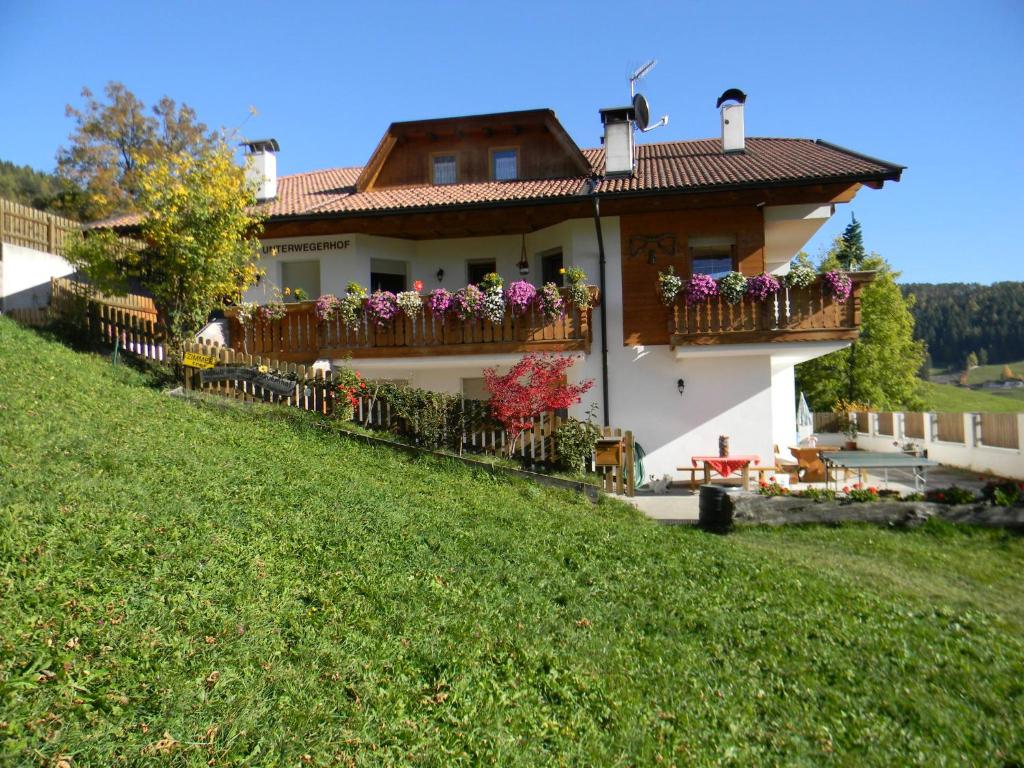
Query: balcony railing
[793,314]
[301,337]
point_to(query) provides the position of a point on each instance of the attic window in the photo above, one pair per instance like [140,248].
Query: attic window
[445,169]
[504,164]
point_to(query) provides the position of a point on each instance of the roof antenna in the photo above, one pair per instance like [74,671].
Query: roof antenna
[641,110]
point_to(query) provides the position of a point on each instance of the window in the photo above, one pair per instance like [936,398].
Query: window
[445,169]
[551,264]
[302,275]
[387,275]
[475,270]
[715,256]
[504,164]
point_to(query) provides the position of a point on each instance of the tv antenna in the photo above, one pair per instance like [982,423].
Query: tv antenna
[641,110]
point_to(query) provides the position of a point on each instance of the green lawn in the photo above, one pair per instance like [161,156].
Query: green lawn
[190,585]
[948,398]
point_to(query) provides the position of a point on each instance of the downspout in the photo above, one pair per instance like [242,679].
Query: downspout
[604,299]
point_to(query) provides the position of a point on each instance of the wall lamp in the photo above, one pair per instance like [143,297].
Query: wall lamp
[680,385]
[440,275]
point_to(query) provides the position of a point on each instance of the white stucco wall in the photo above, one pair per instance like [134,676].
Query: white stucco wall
[25,276]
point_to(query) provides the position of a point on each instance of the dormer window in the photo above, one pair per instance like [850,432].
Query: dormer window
[445,169]
[504,164]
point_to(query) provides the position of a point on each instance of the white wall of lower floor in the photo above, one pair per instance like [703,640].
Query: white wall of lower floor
[25,276]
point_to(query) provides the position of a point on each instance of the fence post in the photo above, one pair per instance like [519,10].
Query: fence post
[972,429]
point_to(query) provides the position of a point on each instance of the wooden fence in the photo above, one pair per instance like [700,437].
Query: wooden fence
[313,392]
[885,425]
[913,425]
[21,225]
[999,430]
[949,427]
[33,317]
[129,321]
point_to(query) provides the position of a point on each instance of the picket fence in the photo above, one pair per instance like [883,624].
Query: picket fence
[25,226]
[313,392]
[130,322]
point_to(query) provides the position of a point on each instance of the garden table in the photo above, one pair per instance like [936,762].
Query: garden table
[724,466]
[861,460]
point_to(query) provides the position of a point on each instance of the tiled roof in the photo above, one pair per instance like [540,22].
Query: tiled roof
[683,166]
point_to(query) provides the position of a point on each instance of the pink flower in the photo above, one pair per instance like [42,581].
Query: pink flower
[700,288]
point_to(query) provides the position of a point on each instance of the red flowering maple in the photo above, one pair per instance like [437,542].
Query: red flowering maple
[534,385]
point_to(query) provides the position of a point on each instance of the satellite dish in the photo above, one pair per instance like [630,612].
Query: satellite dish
[642,112]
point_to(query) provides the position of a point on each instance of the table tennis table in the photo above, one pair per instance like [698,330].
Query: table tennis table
[861,460]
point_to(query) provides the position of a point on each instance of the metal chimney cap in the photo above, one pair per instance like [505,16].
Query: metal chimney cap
[617,114]
[262,145]
[733,94]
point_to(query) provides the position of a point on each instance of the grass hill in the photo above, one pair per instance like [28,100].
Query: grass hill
[949,398]
[229,586]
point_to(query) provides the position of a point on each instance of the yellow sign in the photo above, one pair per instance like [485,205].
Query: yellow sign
[195,360]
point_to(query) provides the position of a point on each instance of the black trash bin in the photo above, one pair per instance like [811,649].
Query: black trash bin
[715,508]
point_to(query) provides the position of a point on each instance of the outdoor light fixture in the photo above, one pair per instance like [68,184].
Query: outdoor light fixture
[440,275]
[680,385]
[524,263]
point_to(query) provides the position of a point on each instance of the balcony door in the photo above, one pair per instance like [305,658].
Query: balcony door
[388,275]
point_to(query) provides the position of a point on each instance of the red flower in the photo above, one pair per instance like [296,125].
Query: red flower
[417,286]
[846,489]
[857,486]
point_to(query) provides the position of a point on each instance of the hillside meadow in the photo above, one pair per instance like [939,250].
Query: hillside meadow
[185,584]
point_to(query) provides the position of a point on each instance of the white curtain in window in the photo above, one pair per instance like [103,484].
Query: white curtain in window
[444,170]
[505,165]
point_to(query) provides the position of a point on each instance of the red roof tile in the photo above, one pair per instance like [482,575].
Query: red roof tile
[683,166]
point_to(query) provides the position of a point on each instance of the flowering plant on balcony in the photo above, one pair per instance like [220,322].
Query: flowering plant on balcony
[520,296]
[549,301]
[272,310]
[326,307]
[382,306]
[733,287]
[467,302]
[760,287]
[577,291]
[410,303]
[837,285]
[799,276]
[669,286]
[491,281]
[700,287]
[440,302]
[351,305]
[493,306]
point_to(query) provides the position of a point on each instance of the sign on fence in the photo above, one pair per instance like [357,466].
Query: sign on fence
[196,360]
[272,382]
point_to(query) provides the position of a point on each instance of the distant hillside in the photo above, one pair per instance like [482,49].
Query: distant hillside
[955,319]
[37,189]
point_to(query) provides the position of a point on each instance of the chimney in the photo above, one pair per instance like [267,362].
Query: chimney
[733,139]
[261,167]
[618,140]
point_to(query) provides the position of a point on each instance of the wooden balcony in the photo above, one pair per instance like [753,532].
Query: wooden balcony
[299,337]
[793,314]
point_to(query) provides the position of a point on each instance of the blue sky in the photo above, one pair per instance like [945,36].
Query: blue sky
[934,86]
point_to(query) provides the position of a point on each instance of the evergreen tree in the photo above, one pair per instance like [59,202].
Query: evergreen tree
[972,361]
[881,368]
[850,251]
[983,356]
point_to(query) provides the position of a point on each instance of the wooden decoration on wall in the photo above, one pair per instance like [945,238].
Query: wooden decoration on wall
[652,246]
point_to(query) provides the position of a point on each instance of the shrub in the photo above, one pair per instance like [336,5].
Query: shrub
[410,303]
[817,495]
[799,276]
[352,304]
[733,287]
[493,306]
[430,419]
[952,495]
[440,302]
[772,488]
[1003,493]
[468,302]
[576,288]
[860,494]
[326,307]
[348,385]
[575,441]
[272,310]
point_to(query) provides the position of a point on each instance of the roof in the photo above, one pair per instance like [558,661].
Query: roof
[665,167]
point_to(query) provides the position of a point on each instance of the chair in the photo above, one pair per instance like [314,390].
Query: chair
[811,469]
[784,465]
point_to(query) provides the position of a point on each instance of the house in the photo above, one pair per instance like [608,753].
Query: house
[445,201]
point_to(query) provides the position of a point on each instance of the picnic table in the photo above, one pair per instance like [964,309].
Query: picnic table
[861,460]
[723,466]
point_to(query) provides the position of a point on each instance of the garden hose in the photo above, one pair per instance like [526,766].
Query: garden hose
[638,465]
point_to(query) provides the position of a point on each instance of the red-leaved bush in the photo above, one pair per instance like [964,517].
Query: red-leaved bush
[534,385]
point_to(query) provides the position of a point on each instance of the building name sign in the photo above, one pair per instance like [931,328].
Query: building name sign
[314,247]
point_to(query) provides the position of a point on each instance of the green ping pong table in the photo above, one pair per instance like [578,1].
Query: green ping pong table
[861,460]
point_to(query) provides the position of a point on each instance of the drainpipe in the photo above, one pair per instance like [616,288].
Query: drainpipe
[604,301]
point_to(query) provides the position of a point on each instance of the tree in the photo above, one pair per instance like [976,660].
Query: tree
[113,141]
[972,361]
[983,356]
[534,385]
[198,240]
[849,251]
[880,368]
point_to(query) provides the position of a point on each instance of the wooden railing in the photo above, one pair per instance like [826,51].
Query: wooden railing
[301,337]
[793,314]
[21,225]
